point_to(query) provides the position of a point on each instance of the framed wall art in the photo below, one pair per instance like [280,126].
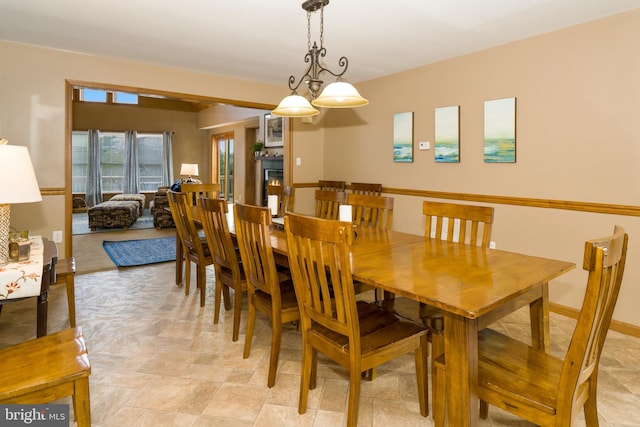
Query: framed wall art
[447,134]
[272,131]
[403,137]
[500,131]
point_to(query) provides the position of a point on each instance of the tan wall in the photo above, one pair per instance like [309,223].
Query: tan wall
[578,138]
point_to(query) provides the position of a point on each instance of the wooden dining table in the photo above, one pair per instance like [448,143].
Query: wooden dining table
[474,286]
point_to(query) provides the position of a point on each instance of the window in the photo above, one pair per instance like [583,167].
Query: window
[112,153]
[94,95]
[125,98]
[149,161]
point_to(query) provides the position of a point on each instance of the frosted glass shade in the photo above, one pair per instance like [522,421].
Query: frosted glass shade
[295,106]
[339,95]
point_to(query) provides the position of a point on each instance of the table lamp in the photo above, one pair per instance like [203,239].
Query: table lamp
[19,186]
[189,169]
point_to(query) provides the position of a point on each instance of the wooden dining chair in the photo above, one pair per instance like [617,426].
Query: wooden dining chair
[226,259]
[452,222]
[195,247]
[356,335]
[332,185]
[328,203]
[371,211]
[286,197]
[369,189]
[537,386]
[268,290]
[210,190]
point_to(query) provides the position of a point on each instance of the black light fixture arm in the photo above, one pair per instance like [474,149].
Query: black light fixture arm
[312,76]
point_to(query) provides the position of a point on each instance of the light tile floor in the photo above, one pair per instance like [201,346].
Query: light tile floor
[158,360]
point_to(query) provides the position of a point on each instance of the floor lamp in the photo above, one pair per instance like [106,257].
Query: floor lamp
[19,185]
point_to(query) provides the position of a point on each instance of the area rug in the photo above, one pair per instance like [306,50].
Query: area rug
[80,224]
[129,253]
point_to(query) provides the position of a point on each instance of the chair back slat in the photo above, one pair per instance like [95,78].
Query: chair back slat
[332,185]
[286,197]
[182,213]
[328,203]
[371,211]
[458,223]
[369,189]
[605,260]
[321,272]
[210,190]
[213,215]
[252,230]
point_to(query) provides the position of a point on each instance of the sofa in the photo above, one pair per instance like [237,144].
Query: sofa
[159,207]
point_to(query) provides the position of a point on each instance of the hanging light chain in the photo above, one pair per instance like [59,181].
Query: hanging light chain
[321,27]
[308,30]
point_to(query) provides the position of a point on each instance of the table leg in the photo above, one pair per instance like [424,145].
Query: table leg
[539,314]
[461,352]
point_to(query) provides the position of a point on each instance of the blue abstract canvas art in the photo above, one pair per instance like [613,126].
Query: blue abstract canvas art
[500,131]
[447,135]
[403,137]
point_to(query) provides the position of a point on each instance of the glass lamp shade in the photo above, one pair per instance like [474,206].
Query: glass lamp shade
[339,95]
[295,106]
[189,169]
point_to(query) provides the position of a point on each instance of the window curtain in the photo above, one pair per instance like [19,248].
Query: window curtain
[131,175]
[167,159]
[94,173]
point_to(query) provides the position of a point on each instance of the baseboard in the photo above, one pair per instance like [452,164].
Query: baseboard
[616,325]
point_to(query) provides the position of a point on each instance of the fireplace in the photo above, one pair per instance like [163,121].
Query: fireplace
[272,172]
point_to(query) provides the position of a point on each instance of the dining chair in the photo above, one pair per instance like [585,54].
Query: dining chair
[357,335]
[371,211]
[452,222]
[226,259]
[268,290]
[195,247]
[328,203]
[286,197]
[366,188]
[535,385]
[332,185]
[210,190]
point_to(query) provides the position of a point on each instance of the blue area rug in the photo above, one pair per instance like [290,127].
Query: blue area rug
[129,253]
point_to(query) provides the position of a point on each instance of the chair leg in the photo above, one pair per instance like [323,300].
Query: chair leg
[421,356]
[187,275]
[484,410]
[237,311]
[71,299]
[217,302]
[591,405]
[307,374]
[437,349]
[354,395]
[251,319]
[439,398]
[276,338]
[81,405]
[202,283]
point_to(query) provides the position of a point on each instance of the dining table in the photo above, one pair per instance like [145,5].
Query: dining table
[474,286]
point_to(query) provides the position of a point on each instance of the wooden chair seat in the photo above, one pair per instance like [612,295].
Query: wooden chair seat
[46,369]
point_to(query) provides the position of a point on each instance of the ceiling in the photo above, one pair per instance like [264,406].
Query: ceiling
[266,41]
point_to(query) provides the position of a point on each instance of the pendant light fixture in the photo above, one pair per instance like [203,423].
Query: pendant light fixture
[339,94]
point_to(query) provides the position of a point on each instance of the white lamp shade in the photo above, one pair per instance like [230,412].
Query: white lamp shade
[339,95]
[190,169]
[295,106]
[16,173]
